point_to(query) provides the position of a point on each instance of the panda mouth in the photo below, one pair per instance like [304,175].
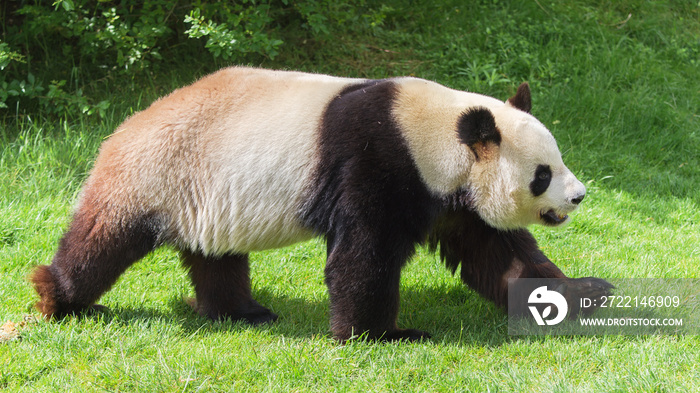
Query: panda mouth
[552,218]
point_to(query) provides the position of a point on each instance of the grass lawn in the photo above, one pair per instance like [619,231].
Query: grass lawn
[620,93]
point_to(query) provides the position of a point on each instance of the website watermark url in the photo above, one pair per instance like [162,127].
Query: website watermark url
[630,322]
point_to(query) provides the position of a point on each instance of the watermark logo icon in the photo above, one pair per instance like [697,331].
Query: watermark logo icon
[542,295]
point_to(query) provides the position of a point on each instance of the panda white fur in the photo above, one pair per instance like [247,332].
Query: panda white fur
[248,159]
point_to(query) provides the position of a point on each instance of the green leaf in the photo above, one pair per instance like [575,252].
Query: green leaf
[67,5]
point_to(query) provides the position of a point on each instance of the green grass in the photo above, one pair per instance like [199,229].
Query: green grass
[621,97]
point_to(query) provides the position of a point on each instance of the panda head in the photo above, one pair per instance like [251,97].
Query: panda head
[517,177]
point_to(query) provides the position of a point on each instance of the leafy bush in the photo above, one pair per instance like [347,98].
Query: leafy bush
[49,50]
[243,30]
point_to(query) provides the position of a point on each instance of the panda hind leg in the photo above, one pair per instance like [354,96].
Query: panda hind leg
[222,288]
[93,253]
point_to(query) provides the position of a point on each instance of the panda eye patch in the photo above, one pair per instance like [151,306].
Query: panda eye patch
[543,176]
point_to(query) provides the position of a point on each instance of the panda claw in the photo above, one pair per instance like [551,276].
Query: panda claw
[409,335]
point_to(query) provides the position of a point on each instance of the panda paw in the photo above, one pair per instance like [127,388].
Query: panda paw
[97,309]
[253,313]
[576,289]
[258,315]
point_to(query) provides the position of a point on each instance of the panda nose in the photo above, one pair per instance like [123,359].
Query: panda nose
[578,199]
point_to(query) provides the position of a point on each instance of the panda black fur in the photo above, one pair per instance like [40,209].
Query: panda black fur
[248,159]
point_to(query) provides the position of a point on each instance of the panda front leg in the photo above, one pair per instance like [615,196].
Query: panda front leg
[363,285]
[222,288]
[489,258]
[529,262]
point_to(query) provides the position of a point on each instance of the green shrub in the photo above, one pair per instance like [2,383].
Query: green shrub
[51,51]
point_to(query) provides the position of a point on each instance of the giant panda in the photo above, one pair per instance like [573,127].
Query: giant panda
[249,159]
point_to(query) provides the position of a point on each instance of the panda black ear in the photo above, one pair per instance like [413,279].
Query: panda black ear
[522,99]
[477,129]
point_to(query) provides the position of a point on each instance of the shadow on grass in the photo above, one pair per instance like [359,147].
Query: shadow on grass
[454,315]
